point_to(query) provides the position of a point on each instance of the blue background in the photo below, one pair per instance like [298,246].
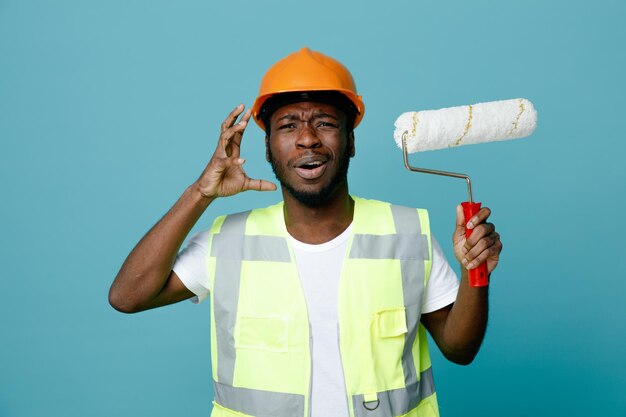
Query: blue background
[109,110]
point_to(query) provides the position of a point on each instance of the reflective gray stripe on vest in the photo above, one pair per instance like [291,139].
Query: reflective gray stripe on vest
[397,402]
[410,246]
[231,247]
[226,295]
[407,222]
[402,246]
[259,403]
[250,248]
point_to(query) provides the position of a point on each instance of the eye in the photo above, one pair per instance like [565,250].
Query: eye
[287,126]
[326,124]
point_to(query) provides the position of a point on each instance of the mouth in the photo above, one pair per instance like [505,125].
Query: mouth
[311,167]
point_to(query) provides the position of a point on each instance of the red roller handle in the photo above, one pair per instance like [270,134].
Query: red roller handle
[478,277]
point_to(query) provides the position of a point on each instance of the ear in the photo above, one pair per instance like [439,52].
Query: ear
[351,144]
[267,148]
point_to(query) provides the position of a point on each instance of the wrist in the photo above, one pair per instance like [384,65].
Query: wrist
[200,196]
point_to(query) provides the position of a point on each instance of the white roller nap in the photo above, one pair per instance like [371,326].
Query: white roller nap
[465,125]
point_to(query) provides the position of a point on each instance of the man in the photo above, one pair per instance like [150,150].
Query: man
[319,304]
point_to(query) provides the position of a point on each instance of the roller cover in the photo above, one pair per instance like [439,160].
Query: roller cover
[465,125]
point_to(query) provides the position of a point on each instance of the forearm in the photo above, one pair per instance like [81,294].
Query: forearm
[147,268]
[466,323]
[142,282]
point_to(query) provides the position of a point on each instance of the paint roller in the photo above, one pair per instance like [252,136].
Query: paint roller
[464,125]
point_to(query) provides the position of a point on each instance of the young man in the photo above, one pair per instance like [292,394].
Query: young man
[320,303]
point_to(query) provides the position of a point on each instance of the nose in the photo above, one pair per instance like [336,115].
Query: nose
[307,138]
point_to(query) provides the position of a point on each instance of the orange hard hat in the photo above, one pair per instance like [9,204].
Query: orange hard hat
[307,71]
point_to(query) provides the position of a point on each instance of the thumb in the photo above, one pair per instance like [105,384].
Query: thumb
[459,231]
[458,237]
[259,185]
[460,222]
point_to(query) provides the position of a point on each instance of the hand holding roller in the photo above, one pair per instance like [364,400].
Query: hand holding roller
[464,125]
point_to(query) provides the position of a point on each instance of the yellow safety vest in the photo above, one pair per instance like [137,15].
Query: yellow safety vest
[260,332]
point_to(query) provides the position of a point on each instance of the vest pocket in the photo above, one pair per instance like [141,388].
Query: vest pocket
[268,333]
[388,329]
[391,322]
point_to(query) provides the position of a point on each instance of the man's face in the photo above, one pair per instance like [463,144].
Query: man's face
[310,150]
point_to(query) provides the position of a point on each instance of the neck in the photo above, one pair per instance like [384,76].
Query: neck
[318,224]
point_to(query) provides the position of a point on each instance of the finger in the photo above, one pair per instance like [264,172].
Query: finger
[231,139]
[478,233]
[483,244]
[247,115]
[232,116]
[245,119]
[234,134]
[490,255]
[259,185]
[227,124]
[480,217]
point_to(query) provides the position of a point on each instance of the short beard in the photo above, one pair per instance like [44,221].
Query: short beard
[321,197]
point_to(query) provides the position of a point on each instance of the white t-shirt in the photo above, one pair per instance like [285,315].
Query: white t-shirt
[319,267]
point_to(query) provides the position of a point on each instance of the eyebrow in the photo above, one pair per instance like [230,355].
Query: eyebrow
[317,115]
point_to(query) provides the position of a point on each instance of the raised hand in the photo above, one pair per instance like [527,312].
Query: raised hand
[224,174]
